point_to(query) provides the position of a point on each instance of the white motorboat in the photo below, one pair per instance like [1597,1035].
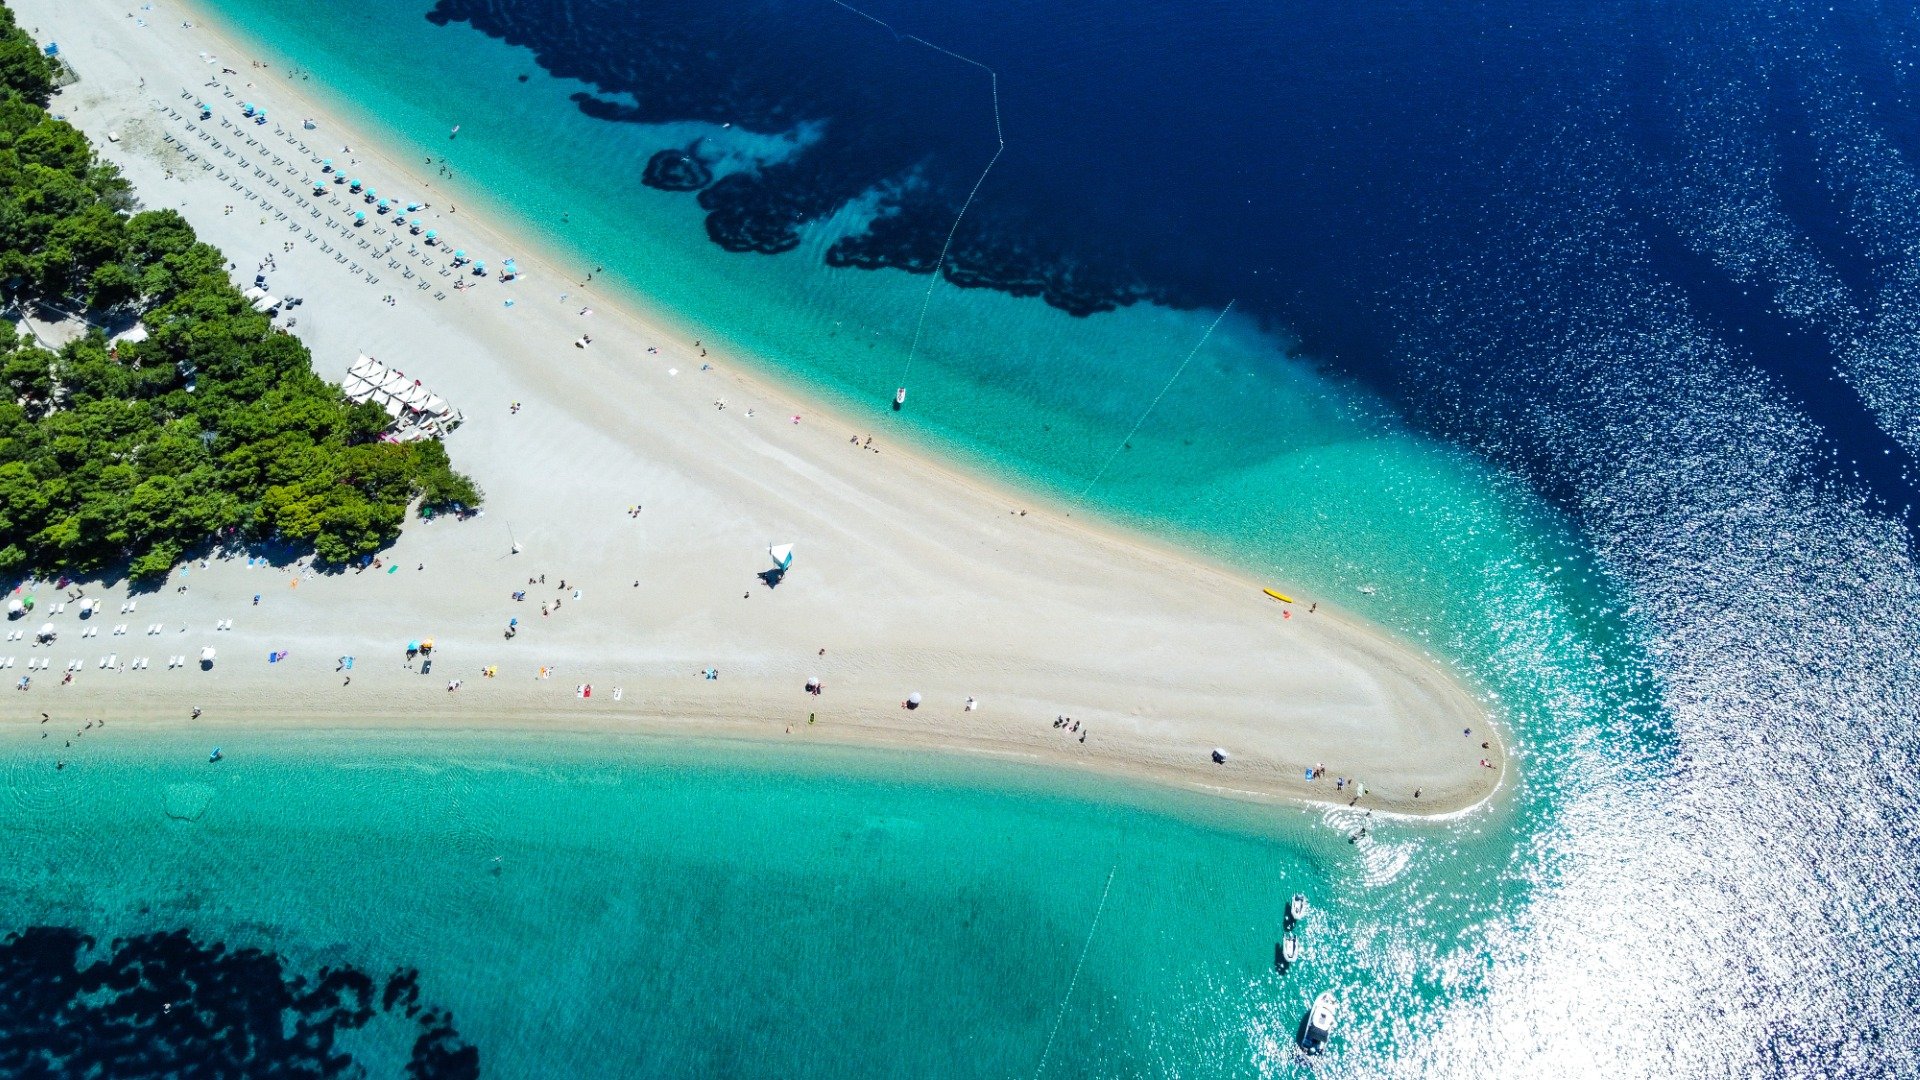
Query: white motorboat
[1297,908]
[1321,1020]
[1289,950]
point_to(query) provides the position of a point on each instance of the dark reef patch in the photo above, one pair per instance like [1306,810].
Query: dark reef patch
[690,62]
[677,170]
[166,1004]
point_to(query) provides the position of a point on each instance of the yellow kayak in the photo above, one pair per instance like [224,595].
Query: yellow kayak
[1280,596]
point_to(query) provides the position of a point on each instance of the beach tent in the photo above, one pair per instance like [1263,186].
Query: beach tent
[393,408]
[782,555]
[365,364]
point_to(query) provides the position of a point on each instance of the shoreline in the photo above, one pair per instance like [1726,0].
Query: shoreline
[1440,687]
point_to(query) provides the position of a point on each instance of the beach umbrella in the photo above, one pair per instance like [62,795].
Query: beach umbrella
[206,654]
[782,555]
[414,645]
[372,194]
[432,236]
[15,607]
[326,164]
[459,254]
[412,206]
[353,184]
[383,207]
[246,108]
[47,631]
[913,699]
[359,217]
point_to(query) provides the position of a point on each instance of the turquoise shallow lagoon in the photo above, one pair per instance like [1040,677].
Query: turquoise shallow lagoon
[651,907]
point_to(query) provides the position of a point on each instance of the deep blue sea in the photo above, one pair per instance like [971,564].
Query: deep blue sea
[1576,342]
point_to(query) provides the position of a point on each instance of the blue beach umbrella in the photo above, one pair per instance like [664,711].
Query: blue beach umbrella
[412,206]
[480,268]
[326,164]
[432,236]
[319,186]
[459,256]
[353,185]
[383,207]
[359,218]
[246,108]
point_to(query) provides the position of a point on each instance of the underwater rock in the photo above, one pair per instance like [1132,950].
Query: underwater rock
[168,1004]
[677,170]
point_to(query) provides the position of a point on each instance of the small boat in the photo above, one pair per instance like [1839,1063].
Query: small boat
[899,398]
[1280,596]
[1289,950]
[216,755]
[1297,908]
[1320,1020]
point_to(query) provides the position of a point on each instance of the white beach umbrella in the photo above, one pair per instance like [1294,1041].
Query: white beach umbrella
[913,698]
[15,607]
[206,654]
[47,631]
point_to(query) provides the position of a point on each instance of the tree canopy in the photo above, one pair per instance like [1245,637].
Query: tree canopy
[132,453]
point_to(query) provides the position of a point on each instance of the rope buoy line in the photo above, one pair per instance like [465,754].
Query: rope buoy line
[1156,398]
[1000,140]
[1074,981]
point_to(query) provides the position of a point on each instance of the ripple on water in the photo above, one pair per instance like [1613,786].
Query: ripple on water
[38,787]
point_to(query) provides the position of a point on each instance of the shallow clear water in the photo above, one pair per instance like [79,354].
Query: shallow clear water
[649,906]
[1580,336]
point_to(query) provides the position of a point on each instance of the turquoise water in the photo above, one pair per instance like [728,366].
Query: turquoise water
[650,907]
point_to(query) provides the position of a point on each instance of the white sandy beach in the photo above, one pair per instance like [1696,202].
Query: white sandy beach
[910,577]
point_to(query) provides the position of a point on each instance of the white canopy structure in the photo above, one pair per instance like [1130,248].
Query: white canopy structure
[418,412]
[266,303]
